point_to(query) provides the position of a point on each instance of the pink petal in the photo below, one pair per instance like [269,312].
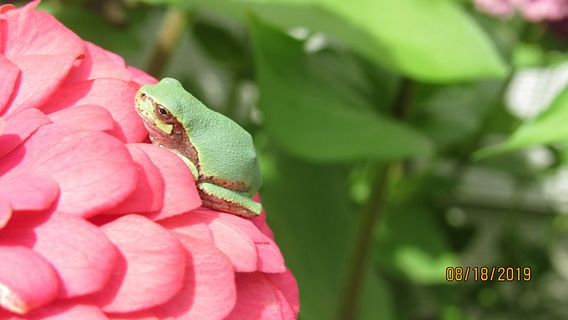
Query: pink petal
[269,257]
[148,195]
[98,63]
[5,315]
[29,32]
[287,311]
[117,96]
[10,73]
[43,48]
[68,311]
[500,8]
[286,284]
[260,222]
[142,315]
[152,267]
[257,298]
[552,10]
[19,127]
[82,257]
[238,222]
[5,212]
[84,117]
[20,289]
[8,9]
[29,192]
[5,8]
[209,291]
[81,254]
[180,193]
[41,76]
[94,171]
[2,126]
[114,57]
[141,77]
[231,240]
[186,224]
[22,224]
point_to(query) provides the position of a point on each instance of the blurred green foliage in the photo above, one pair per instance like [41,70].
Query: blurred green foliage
[418,93]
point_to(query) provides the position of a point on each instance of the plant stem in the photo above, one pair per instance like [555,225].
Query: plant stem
[168,37]
[361,254]
[370,218]
[401,104]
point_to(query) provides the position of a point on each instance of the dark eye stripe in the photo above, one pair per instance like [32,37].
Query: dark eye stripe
[162,113]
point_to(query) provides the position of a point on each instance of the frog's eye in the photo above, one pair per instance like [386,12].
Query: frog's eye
[162,112]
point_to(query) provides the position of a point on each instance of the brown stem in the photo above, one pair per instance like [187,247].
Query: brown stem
[350,302]
[168,37]
[370,217]
[402,102]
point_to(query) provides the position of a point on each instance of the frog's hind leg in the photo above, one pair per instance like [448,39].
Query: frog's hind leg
[219,198]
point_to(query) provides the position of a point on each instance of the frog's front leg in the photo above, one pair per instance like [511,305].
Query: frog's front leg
[223,199]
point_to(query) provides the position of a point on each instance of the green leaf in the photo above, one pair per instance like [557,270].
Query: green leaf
[549,127]
[312,115]
[223,45]
[309,211]
[458,109]
[530,55]
[432,41]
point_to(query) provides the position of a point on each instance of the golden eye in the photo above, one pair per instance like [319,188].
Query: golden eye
[163,111]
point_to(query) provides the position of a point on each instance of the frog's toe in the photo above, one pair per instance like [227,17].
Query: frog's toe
[219,198]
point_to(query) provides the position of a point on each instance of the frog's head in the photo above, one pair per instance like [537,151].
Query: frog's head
[160,105]
[167,110]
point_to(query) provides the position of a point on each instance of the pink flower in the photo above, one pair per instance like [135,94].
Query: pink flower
[500,8]
[94,222]
[544,10]
[532,10]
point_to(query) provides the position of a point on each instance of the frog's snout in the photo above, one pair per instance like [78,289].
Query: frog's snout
[140,99]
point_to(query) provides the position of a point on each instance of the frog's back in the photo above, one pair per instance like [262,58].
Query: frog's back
[225,150]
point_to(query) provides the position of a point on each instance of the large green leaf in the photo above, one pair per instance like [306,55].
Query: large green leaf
[433,41]
[458,109]
[309,210]
[315,117]
[549,127]
[226,47]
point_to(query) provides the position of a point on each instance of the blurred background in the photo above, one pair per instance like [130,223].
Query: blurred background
[397,138]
